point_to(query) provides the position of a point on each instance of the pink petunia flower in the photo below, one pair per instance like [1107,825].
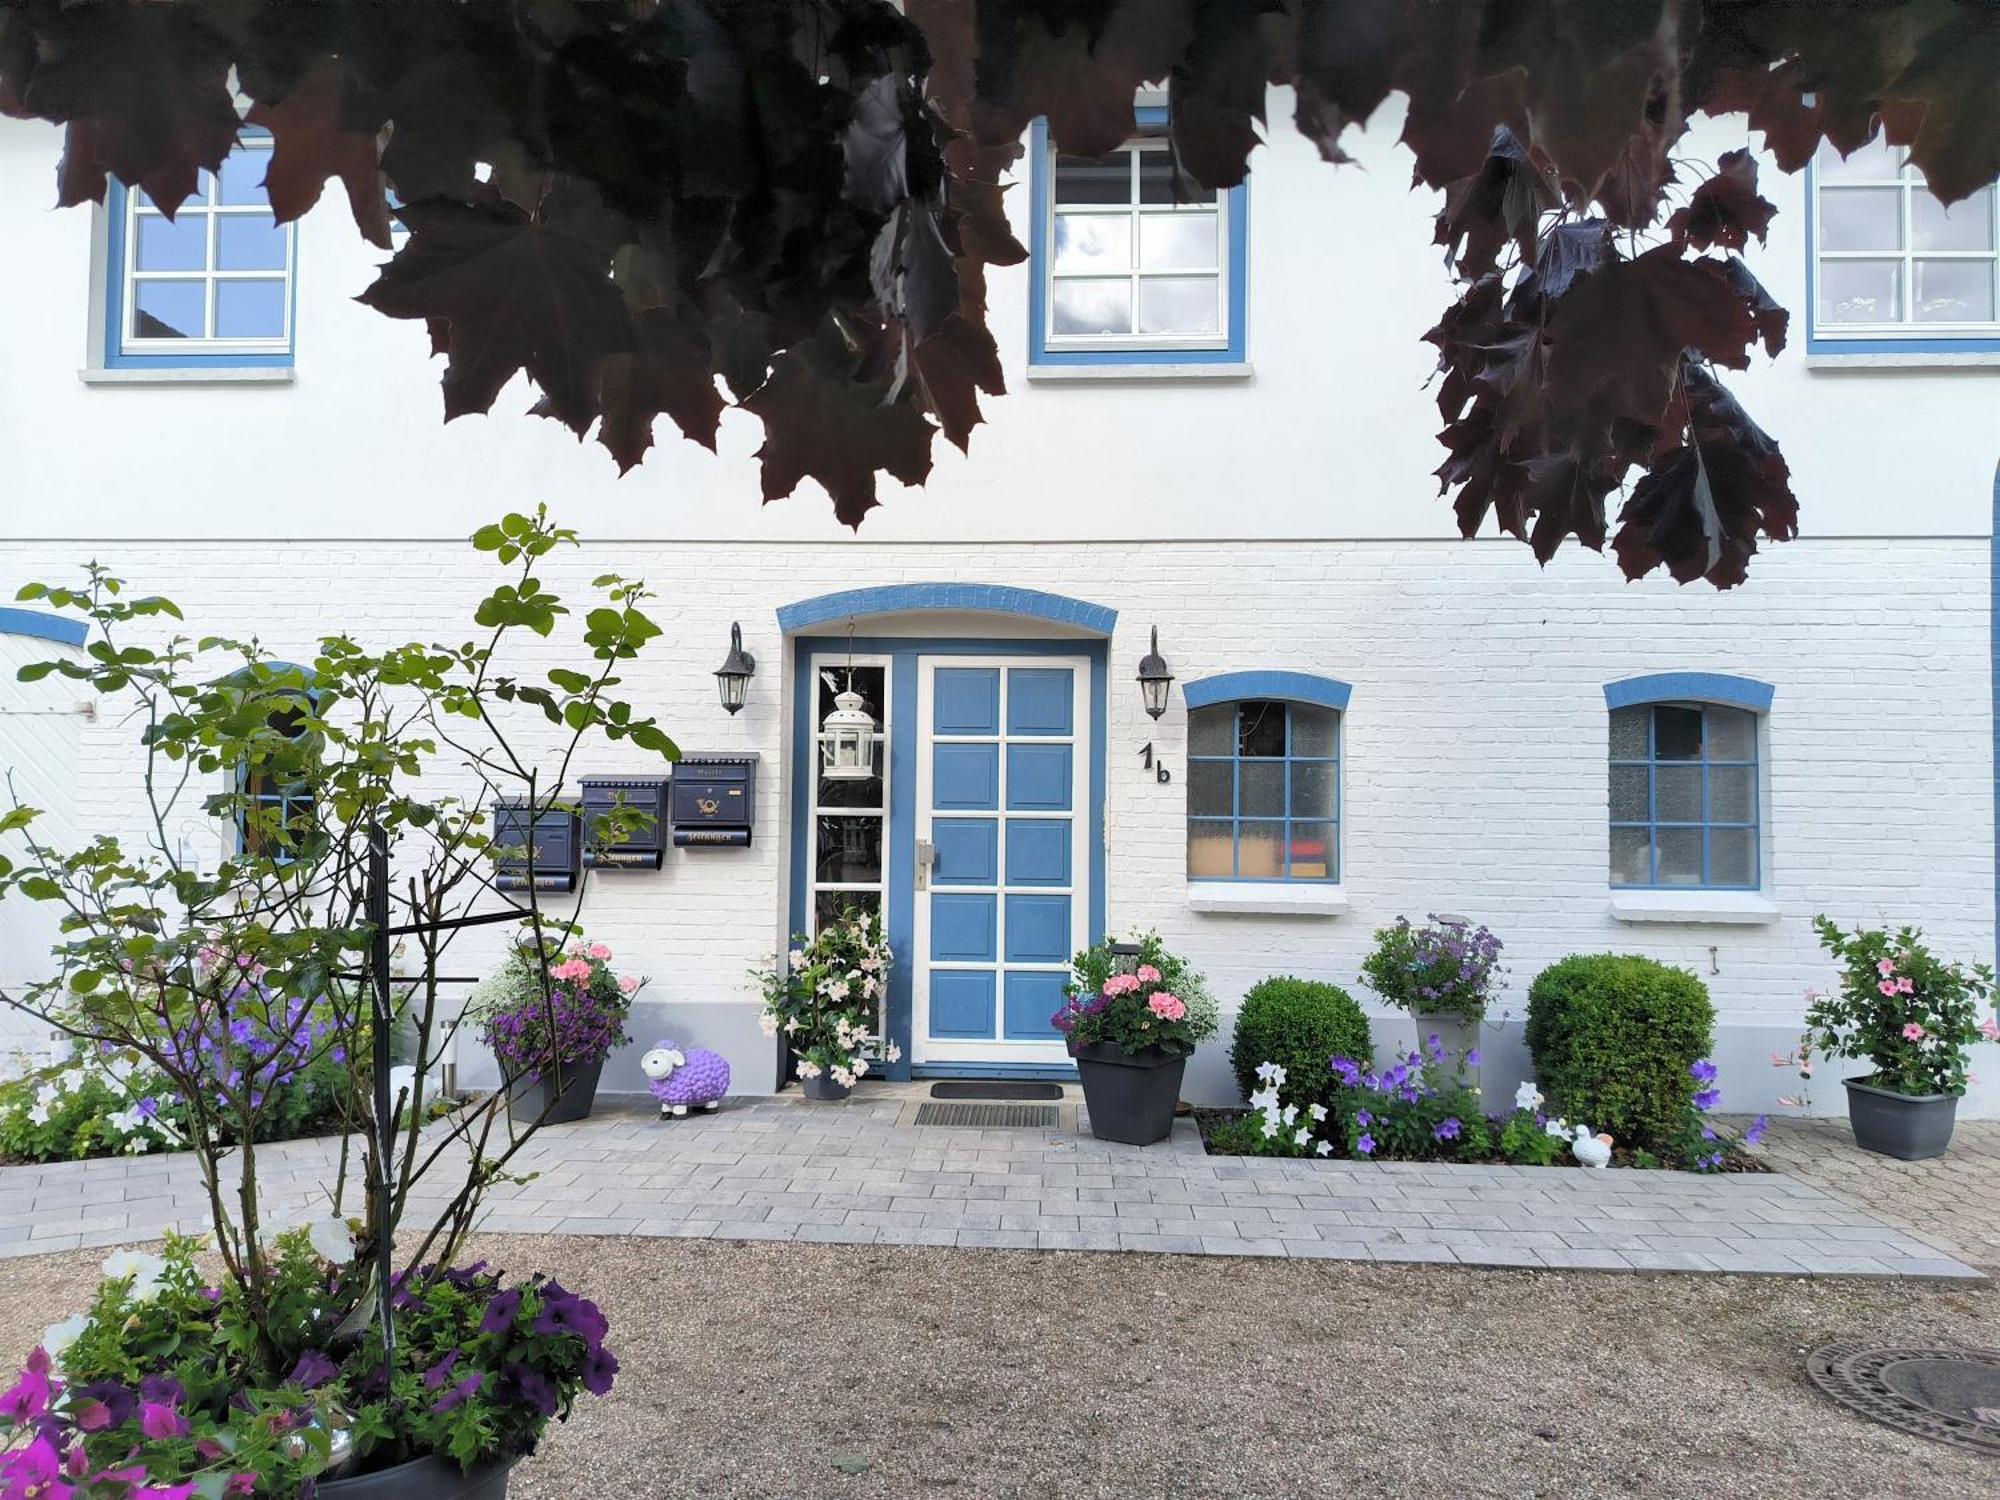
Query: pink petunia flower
[1913,1032]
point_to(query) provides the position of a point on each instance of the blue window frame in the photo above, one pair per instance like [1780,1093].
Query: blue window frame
[1125,273]
[1892,270]
[212,287]
[1263,792]
[1684,796]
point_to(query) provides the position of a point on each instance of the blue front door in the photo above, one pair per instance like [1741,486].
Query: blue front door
[1002,871]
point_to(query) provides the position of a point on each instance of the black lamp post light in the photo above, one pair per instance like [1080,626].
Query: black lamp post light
[732,678]
[1154,678]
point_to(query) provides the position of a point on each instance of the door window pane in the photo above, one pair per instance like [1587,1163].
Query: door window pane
[849,851]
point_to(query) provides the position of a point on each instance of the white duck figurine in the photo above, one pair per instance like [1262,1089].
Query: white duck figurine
[1591,1150]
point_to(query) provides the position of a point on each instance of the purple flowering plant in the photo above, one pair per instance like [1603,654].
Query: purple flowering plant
[1447,968]
[1419,1108]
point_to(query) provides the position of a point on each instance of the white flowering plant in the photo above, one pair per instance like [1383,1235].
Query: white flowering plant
[826,998]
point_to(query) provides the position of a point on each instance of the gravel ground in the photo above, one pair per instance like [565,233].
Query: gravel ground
[796,1370]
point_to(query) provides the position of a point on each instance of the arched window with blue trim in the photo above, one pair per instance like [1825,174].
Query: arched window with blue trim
[1686,801]
[1263,781]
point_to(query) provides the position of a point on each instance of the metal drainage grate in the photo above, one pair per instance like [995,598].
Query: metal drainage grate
[1947,1395]
[991,1116]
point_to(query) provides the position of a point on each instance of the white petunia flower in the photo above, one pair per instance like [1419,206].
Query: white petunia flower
[142,1269]
[58,1337]
[331,1239]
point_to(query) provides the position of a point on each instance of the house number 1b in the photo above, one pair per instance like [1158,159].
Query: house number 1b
[1158,768]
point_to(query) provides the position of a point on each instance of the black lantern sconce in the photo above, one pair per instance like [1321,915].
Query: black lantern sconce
[732,678]
[1154,678]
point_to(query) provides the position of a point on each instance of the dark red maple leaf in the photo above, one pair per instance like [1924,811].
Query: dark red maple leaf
[312,141]
[1726,209]
[1504,201]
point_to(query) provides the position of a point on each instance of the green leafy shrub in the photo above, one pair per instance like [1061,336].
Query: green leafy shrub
[1614,1040]
[1300,1024]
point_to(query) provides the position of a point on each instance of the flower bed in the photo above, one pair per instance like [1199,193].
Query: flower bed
[1423,1107]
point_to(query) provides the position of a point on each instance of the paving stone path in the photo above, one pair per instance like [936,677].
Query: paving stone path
[768,1169]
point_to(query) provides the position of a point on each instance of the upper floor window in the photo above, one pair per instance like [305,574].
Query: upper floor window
[210,286]
[1126,272]
[1684,796]
[1892,264]
[1263,792]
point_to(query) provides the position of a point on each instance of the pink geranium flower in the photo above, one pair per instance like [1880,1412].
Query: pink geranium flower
[629,985]
[1167,1007]
[1147,974]
[1121,984]
[599,952]
[1913,1032]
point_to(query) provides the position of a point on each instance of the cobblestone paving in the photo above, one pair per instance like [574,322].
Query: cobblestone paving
[1953,1201]
[849,1173]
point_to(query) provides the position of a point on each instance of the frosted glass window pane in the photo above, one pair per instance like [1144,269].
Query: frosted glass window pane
[1212,730]
[1093,242]
[1081,180]
[1861,219]
[1628,733]
[1315,730]
[1312,851]
[1966,225]
[1312,790]
[1631,794]
[168,310]
[1211,850]
[1177,242]
[1732,856]
[1260,851]
[249,309]
[1877,161]
[1680,856]
[248,242]
[1631,856]
[1732,794]
[1092,307]
[179,244]
[1261,790]
[1732,734]
[1953,291]
[1677,794]
[1179,304]
[1860,291]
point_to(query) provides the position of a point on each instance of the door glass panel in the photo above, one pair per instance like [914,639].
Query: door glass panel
[849,851]
[830,906]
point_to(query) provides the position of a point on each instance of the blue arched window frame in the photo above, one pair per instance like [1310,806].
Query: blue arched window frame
[1701,691]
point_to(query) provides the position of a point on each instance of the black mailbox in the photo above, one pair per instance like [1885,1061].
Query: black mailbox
[643,842]
[554,836]
[714,801]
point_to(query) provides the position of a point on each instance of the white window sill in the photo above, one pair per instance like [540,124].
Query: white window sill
[1720,908]
[1268,898]
[1136,371]
[1887,359]
[186,375]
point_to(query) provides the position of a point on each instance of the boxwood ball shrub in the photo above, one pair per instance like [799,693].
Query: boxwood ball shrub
[1614,1039]
[1301,1024]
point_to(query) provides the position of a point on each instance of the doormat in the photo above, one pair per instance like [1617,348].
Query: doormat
[1947,1395]
[981,1088]
[991,1116]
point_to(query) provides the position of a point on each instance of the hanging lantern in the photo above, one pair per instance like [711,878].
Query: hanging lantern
[847,739]
[1154,678]
[732,678]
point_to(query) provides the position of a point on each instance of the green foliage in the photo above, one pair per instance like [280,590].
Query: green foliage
[1900,1007]
[825,998]
[1146,998]
[1614,1038]
[1300,1024]
[1525,1142]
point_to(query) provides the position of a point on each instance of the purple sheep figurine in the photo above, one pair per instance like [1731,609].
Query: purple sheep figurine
[681,1081]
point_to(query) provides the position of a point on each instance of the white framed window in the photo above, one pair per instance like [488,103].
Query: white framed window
[1890,263]
[1125,271]
[211,285]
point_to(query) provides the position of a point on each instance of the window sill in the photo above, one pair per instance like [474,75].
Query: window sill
[186,375]
[1889,359]
[1694,908]
[1138,371]
[1266,898]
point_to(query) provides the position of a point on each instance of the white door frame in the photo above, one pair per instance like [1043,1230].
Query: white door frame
[924,1050]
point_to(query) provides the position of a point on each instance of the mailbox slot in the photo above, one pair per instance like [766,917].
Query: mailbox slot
[714,801]
[641,848]
[555,837]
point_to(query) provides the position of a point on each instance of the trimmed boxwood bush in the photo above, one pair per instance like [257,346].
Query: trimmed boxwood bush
[1613,1038]
[1302,1024]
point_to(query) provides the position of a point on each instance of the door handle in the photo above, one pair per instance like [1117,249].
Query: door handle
[926,858]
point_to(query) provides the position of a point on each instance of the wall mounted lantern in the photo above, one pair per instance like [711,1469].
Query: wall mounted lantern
[1154,678]
[732,678]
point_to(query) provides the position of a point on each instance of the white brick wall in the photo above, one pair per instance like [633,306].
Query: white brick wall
[1473,778]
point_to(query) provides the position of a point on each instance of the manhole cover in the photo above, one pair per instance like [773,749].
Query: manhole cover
[991,1116]
[1948,1395]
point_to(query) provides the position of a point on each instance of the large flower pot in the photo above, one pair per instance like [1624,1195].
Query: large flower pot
[823,1087]
[1129,1096]
[529,1102]
[1914,1127]
[1455,1034]
[423,1479]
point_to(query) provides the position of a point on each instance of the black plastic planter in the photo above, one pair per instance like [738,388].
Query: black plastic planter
[1130,1096]
[823,1087]
[1912,1127]
[529,1102]
[423,1479]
